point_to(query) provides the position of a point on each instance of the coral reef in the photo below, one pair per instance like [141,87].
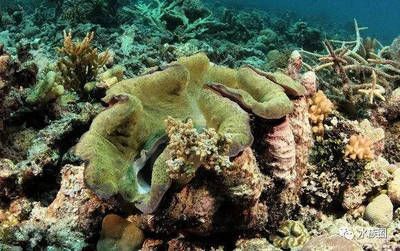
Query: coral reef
[136,139]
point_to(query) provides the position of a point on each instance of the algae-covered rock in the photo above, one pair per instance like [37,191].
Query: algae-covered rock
[123,137]
[394,187]
[331,242]
[379,211]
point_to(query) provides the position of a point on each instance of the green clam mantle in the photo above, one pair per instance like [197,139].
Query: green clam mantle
[123,138]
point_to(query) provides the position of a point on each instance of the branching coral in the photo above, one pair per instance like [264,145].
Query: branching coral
[189,149]
[79,62]
[320,108]
[170,16]
[359,147]
[351,64]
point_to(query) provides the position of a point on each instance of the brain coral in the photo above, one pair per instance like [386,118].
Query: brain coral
[123,138]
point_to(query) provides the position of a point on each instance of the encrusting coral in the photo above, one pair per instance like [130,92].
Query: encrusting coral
[79,62]
[359,147]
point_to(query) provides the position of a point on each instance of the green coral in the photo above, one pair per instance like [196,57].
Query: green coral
[46,90]
[291,234]
[123,138]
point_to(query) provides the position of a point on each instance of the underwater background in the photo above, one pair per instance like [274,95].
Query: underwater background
[381,17]
[199,125]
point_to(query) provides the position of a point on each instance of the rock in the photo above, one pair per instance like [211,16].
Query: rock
[394,188]
[379,211]
[332,243]
[254,244]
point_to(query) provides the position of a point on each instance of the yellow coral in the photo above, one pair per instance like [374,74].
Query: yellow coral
[359,147]
[188,149]
[320,108]
[79,62]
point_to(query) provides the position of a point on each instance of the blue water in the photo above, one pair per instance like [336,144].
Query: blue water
[382,17]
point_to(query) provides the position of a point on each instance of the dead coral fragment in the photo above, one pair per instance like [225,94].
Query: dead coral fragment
[189,149]
[359,147]
[79,62]
[320,108]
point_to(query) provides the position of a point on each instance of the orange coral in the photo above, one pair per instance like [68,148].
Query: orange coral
[320,108]
[79,62]
[359,147]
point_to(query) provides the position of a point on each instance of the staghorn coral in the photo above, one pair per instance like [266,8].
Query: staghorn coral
[118,233]
[79,62]
[320,108]
[291,234]
[359,147]
[346,67]
[182,19]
